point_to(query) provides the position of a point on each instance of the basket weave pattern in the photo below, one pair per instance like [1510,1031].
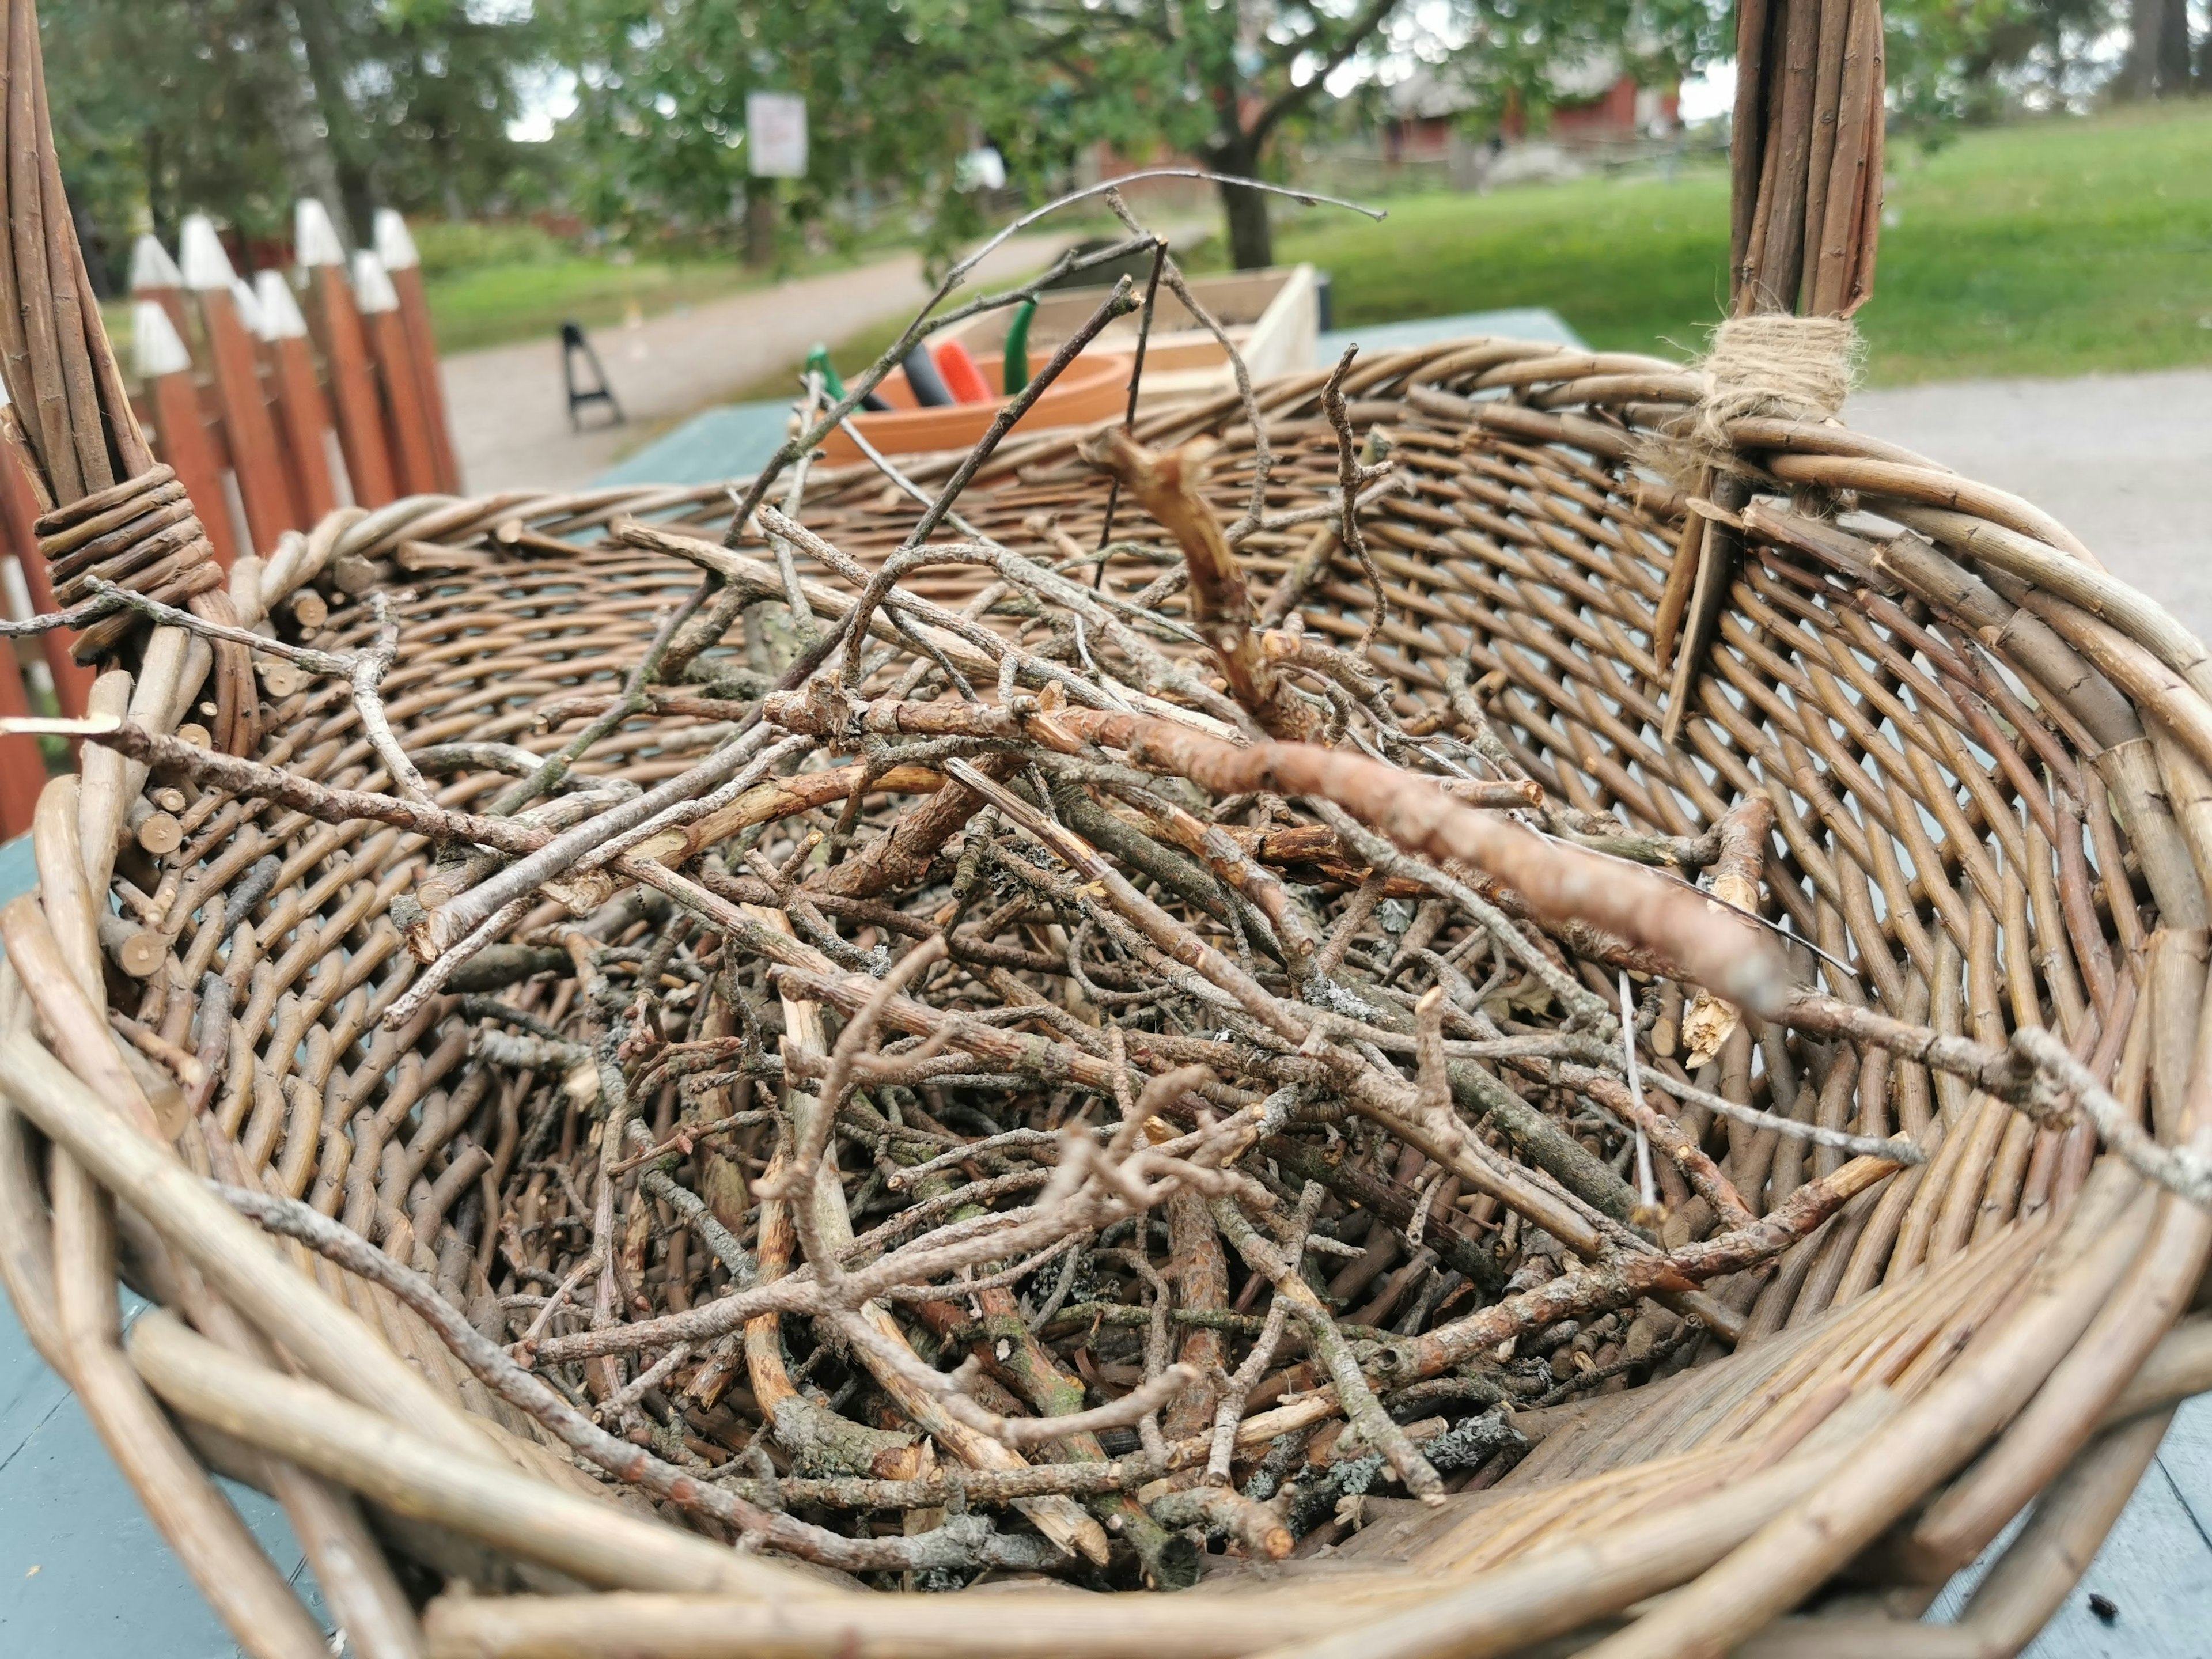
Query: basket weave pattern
[1988,765]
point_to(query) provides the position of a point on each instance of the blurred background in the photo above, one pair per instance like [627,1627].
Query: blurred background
[2050,202]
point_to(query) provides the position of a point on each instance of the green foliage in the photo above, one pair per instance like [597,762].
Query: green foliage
[238,108]
[434,85]
[1950,62]
[1519,52]
[897,91]
[160,107]
[448,246]
[2057,246]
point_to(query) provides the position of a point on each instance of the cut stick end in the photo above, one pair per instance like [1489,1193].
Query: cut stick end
[42,726]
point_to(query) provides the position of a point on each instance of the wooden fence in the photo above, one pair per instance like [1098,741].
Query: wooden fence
[276,401]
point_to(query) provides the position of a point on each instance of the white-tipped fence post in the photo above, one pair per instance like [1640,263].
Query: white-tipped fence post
[180,433]
[255,458]
[302,413]
[155,276]
[396,247]
[395,365]
[337,327]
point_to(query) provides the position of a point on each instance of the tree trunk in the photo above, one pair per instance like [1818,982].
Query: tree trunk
[303,133]
[760,223]
[2147,72]
[1251,235]
[318,36]
[2173,50]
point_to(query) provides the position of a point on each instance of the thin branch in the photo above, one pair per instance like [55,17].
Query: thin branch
[953,1544]
[1349,478]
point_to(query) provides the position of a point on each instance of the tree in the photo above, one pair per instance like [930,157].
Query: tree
[162,106]
[1949,61]
[1223,80]
[896,92]
[1260,65]
[2158,63]
[239,107]
[416,96]
[898,89]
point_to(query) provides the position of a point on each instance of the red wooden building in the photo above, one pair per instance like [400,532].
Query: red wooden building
[1600,103]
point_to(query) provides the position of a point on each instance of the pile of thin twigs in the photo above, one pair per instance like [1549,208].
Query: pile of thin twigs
[1068,1085]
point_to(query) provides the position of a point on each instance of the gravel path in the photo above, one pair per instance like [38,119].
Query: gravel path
[2124,461]
[510,415]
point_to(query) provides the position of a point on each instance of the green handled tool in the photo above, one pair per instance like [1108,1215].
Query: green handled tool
[1014,374]
[818,363]
[833,388]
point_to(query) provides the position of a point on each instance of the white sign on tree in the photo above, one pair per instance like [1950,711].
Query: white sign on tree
[775,135]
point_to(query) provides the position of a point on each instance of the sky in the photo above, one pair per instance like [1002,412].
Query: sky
[549,94]
[1711,94]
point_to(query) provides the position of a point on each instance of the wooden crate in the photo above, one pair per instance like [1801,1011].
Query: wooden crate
[1273,316]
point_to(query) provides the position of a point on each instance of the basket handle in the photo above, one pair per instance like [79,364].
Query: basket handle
[69,418]
[73,412]
[1805,218]
[1806,160]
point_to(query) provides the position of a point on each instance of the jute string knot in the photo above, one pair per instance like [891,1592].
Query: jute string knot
[1770,364]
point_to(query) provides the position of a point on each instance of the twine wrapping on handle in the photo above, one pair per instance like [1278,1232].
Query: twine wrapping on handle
[1770,363]
[1805,163]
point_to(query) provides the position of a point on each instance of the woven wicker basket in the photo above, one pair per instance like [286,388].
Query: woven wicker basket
[1989,765]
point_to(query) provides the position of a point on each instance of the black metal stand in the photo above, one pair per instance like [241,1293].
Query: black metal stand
[573,346]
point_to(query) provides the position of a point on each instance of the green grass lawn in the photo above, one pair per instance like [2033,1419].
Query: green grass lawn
[491,282]
[489,305]
[2060,246]
[2055,247]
